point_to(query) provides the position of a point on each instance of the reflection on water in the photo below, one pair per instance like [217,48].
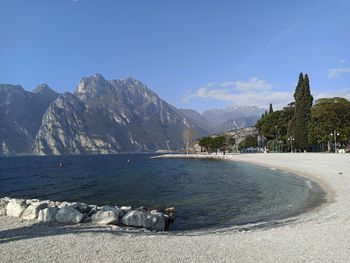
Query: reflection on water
[205,192]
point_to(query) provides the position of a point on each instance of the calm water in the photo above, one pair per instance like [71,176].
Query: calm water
[206,193]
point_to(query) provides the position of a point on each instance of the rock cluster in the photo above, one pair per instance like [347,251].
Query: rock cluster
[75,212]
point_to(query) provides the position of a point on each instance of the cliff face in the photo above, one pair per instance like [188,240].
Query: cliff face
[113,116]
[20,116]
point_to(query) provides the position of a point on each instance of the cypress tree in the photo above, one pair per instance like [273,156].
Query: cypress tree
[271,109]
[303,103]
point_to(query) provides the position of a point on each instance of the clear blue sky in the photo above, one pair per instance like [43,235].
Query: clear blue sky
[194,54]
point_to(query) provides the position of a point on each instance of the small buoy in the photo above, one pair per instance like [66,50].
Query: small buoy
[128,161]
[60,164]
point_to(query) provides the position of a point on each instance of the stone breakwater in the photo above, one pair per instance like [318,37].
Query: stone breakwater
[76,212]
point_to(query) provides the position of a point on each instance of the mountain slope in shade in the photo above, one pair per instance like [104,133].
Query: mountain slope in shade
[20,116]
[111,116]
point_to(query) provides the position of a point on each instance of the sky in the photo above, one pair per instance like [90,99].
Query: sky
[197,54]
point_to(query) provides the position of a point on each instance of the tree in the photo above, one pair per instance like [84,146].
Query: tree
[249,141]
[205,143]
[303,104]
[327,115]
[212,144]
[188,137]
[267,125]
[270,109]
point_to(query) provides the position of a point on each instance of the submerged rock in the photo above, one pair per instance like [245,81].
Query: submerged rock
[105,218]
[48,214]
[69,215]
[15,207]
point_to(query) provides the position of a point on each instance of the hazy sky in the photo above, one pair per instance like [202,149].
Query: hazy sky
[194,54]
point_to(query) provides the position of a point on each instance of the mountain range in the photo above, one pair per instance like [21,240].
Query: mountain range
[226,119]
[101,117]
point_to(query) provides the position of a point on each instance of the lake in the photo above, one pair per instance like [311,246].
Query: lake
[206,193]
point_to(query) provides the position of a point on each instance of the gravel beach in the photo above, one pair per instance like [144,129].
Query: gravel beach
[319,235]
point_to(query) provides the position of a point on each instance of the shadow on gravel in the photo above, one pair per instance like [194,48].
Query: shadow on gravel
[43,230]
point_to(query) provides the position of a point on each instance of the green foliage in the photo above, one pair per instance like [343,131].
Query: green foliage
[270,109]
[268,125]
[212,144]
[303,103]
[249,141]
[327,115]
[307,124]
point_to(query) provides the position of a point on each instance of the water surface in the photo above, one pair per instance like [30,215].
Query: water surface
[206,193]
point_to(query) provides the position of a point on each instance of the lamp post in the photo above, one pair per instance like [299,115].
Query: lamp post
[291,139]
[335,134]
[280,146]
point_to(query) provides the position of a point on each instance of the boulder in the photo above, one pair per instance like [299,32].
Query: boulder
[16,207]
[126,208]
[31,201]
[32,211]
[104,218]
[3,211]
[170,210]
[69,215]
[155,221]
[82,207]
[3,204]
[48,214]
[134,218]
[119,212]
[92,210]
[65,204]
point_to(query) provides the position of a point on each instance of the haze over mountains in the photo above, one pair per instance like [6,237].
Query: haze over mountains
[229,118]
[103,116]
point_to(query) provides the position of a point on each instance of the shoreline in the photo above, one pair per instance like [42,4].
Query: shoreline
[329,193]
[320,235]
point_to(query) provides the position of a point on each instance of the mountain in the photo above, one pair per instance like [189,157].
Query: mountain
[20,116]
[111,116]
[226,119]
[198,119]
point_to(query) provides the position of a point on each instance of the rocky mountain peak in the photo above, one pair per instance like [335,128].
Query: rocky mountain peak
[91,86]
[45,90]
[11,88]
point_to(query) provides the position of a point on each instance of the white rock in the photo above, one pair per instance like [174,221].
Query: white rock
[65,204]
[134,218]
[119,212]
[69,215]
[104,218]
[32,211]
[15,207]
[48,214]
[126,208]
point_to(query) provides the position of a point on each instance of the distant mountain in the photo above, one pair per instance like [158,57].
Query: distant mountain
[199,120]
[20,116]
[104,116]
[226,119]
[111,116]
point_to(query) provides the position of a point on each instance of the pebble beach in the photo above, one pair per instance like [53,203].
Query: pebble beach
[319,235]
